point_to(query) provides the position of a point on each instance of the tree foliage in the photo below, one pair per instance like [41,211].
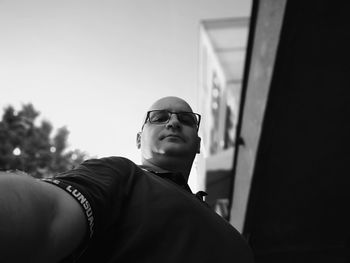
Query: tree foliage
[31,148]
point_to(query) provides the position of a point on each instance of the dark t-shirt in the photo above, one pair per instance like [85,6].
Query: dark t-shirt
[138,216]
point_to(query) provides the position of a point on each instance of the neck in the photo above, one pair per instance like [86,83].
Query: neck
[168,165]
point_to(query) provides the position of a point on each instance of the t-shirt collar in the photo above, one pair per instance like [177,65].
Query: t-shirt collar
[176,177]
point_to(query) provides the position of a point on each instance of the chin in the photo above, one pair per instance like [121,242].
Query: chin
[174,151]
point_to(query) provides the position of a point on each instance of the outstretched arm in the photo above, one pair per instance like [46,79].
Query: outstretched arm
[39,222]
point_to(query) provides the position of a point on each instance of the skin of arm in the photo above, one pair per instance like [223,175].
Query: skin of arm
[39,222]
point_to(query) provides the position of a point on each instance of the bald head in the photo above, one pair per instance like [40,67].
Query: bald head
[173,143]
[165,102]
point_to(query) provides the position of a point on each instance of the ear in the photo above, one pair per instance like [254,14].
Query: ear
[199,144]
[138,140]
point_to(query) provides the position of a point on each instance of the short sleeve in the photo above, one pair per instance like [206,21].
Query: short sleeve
[100,186]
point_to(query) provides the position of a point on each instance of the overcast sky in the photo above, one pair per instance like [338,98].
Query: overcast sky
[96,66]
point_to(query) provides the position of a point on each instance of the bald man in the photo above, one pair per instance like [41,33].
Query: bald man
[112,210]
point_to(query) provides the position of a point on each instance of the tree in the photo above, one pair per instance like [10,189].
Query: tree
[30,148]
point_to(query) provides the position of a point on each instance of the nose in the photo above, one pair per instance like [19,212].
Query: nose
[173,121]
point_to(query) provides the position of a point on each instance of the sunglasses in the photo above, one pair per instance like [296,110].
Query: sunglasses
[163,116]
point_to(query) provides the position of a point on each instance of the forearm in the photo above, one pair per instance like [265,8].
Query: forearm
[25,213]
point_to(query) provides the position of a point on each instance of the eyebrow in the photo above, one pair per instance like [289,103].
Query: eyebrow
[171,110]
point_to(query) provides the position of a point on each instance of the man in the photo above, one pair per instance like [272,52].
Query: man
[111,210]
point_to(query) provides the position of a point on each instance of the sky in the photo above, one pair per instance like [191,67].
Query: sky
[96,66]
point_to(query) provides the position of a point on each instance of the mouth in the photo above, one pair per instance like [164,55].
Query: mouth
[172,136]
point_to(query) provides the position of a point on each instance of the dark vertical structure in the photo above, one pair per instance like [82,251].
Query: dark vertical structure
[299,202]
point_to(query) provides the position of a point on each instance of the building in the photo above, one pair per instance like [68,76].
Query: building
[288,169]
[222,55]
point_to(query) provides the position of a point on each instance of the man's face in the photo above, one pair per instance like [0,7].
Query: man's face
[169,139]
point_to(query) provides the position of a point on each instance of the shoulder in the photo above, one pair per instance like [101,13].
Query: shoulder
[100,168]
[118,160]
[111,162]
[94,190]
[113,166]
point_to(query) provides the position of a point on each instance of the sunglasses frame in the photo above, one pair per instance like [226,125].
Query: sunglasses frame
[197,117]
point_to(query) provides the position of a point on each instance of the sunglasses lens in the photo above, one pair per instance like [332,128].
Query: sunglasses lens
[160,116]
[188,118]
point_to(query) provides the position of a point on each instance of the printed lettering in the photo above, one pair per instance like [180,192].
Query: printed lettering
[69,188]
[91,220]
[89,212]
[86,205]
[76,193]
[82,199]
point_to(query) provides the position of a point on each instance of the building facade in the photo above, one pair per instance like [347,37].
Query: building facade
[222,56]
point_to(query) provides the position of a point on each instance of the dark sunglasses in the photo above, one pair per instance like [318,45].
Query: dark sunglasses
[164,116]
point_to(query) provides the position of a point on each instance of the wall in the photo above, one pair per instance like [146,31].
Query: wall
[299,199]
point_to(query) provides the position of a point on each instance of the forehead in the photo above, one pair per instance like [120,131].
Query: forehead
[171,104]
